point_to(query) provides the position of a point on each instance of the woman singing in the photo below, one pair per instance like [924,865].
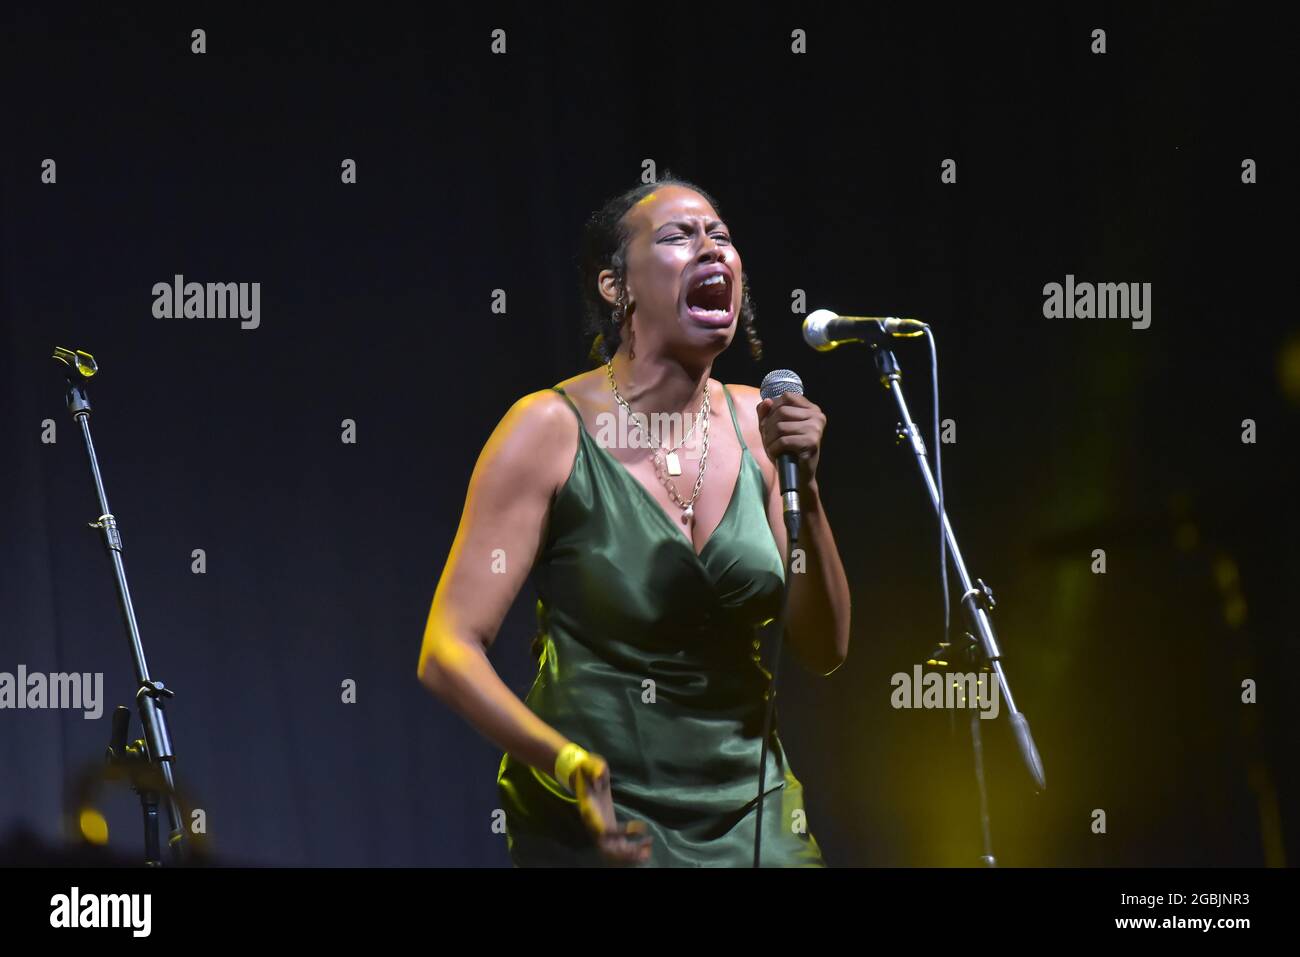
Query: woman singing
[656,560]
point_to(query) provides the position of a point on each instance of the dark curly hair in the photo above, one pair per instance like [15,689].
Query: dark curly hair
[604,246]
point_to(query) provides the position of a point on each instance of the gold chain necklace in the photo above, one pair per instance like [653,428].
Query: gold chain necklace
[671,461]
[688,508]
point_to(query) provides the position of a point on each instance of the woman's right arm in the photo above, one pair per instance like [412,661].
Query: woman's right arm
[524,462]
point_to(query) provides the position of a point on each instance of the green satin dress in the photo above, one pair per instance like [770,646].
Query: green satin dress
[648,656]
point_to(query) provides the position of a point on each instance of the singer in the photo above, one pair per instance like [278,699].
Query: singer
[640,740]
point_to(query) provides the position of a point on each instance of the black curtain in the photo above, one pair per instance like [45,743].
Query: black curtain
[474,173]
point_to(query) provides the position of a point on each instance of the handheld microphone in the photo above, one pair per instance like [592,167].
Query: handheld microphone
[824,330]
[775,383]
[778,382]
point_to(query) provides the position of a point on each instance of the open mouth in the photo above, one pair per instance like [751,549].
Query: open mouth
[709,300]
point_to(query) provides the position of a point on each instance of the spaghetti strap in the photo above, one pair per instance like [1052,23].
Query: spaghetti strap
[560,390]
[732,407]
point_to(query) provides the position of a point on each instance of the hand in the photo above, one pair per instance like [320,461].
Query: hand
[791,423]
[619,844]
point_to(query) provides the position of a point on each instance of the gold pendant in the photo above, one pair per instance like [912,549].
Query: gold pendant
[674,464]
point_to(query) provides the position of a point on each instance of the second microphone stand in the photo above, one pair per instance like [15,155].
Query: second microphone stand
[978,647]
[154,750]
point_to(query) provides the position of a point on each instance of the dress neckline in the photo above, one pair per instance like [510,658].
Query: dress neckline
[678,532]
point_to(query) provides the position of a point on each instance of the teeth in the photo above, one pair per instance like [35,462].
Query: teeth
[714,280]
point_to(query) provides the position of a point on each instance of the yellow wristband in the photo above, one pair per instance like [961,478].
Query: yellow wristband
[566,762]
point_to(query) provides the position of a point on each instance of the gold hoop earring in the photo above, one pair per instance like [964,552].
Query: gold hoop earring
[619,314]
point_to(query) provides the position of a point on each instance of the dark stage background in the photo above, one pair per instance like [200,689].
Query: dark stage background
[474,173]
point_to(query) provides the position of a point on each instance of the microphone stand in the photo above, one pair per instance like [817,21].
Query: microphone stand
[981,648]
[156,747]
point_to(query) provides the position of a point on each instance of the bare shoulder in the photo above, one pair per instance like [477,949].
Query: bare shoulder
[536,439]
[544,411]
[584,386]
[540,417]
[749,392]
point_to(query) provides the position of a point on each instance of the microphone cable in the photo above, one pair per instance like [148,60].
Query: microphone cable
[771,695]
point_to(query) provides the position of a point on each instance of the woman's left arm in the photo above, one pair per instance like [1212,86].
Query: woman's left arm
[817,613]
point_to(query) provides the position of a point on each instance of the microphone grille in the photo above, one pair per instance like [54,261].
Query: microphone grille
[814,330]
[778,382]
